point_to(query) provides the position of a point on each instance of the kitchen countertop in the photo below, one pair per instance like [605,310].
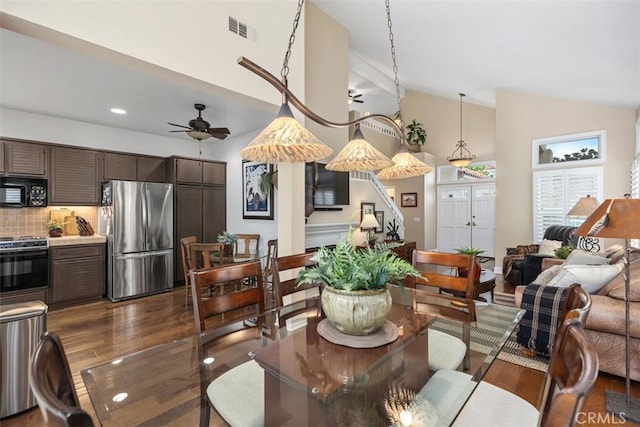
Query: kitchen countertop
[76,240]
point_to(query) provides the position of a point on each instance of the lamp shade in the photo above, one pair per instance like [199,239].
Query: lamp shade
[615,218]
[406,165]
[285,140]
[584,207]
[359,155]
[369,222]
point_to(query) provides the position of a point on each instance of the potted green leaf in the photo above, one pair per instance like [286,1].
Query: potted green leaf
[55,227]
[416,135]
[468,250]
[355,297]
[228,240]
[563,251]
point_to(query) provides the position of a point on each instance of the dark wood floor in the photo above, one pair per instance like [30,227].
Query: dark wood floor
[101,331]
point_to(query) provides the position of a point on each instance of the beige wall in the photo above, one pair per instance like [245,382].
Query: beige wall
[520,118]
[441,119]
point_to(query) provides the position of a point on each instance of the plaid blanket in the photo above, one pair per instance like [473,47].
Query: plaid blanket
[543,305]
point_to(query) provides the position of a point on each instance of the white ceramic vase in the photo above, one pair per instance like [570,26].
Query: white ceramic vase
[356,312]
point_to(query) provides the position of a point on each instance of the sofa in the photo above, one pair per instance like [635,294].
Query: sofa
[605,325]
[522,264]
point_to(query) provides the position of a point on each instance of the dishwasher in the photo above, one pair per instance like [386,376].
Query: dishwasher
[21,326]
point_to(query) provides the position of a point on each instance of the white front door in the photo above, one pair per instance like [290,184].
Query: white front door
[466,217]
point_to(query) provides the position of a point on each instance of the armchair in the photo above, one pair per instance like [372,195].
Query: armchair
[522,264]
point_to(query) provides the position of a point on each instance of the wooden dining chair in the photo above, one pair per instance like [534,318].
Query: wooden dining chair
[229,392]
[453,300]
[186,264]
[245,244]
[573,370]
[272,253]
[283,287]
[52,384]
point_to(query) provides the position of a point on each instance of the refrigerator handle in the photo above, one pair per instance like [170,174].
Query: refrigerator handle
[145,216]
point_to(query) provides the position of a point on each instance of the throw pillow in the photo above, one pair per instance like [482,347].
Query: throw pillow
[616,286]
[548,246]
[547,275]
[591,277]
[578,257]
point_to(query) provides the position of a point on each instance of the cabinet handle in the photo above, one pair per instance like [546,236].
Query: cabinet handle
[474,223]
[468,223]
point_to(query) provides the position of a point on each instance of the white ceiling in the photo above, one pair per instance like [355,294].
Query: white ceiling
[586,50]
[579,50]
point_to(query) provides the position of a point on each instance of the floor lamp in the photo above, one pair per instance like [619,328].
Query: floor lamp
[619,219]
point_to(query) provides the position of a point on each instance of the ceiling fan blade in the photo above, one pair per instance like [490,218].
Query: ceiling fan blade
[180,126]
[187,130]
[213,131]
[356,96]
[359,101]
[219,135]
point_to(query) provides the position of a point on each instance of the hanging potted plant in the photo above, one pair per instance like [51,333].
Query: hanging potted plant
[355,297]
[416,135]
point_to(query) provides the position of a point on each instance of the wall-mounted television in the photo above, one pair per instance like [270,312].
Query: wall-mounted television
[332,187]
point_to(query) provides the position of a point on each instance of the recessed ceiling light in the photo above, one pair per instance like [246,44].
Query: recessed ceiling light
[118,111]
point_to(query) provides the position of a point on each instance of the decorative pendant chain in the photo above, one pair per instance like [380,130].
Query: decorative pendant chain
[292,38]
[461,95]
[395,66]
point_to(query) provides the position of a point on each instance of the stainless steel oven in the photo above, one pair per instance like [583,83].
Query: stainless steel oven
[24,263]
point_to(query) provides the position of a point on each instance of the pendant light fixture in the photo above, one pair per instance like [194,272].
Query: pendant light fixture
[286,140]
[359,155]
[405,164]
[461,156]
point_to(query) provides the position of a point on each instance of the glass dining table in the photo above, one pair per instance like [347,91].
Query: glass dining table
[310,378]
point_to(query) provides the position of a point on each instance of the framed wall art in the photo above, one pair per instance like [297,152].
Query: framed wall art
[257,201]
[380,219]
[367,208]
[409,200]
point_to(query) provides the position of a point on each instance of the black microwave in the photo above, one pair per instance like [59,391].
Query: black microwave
[23,192]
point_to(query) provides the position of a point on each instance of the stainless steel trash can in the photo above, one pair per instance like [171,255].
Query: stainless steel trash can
[20,328]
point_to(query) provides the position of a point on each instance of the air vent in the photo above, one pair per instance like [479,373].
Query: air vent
[241,29]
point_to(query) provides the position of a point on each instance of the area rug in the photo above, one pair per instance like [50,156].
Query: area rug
[488,333]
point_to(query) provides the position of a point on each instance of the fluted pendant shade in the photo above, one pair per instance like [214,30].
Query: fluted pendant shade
[285,140]
[359,155]
[406,165]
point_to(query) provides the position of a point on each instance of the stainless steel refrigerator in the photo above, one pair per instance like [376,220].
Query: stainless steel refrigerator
[137,219]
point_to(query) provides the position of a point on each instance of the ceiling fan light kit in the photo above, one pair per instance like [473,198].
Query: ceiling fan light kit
[285,142]
[200,129]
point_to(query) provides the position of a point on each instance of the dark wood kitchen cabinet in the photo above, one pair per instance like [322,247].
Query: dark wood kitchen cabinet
[128,167]
[74,177]
[200,206]
[77,274]
[24,159]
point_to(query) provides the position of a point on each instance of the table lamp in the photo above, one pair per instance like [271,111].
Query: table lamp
[369,223]
[620,219]
[582,209]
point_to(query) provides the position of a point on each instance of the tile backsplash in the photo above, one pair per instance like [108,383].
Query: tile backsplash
[16,222]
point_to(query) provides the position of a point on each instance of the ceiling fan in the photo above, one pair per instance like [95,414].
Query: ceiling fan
[353,97]
[200,129]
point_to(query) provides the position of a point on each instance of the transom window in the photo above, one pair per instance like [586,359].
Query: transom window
[569,150]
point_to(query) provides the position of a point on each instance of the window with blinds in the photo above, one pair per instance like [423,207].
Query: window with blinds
[556,191]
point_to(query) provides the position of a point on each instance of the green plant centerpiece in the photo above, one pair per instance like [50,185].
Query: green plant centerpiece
[55,227]
[355,297]
[228,240]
